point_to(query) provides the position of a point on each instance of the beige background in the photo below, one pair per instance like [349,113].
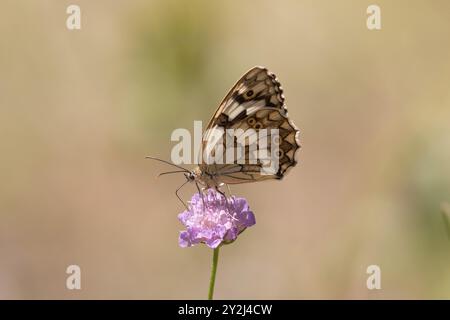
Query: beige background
[79,110]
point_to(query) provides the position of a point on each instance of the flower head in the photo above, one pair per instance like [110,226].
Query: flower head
[213,219]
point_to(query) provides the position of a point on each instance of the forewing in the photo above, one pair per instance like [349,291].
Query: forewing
[258,88]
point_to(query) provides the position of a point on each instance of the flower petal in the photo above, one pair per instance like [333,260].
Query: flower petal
[213,219]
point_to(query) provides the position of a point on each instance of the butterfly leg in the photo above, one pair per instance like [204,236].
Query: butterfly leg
[201,193]
[229,189]
[226,200]
[221,192]
[178,196]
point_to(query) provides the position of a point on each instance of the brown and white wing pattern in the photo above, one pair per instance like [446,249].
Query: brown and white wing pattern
[258,88]
[255,102]
[288,145]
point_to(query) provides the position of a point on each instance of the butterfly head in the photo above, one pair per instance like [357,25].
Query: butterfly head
[193,175]
[190,176]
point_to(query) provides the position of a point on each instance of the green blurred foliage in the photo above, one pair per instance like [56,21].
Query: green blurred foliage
[169,61]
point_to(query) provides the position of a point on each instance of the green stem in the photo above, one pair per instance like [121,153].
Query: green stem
[212,280]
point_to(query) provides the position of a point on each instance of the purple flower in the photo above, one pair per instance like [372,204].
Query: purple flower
[214,219]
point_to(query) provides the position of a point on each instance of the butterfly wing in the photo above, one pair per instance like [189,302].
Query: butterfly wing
[255,102]
[258,88]
[265,118]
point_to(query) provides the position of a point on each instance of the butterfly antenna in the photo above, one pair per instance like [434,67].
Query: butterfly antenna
[167,162]
[170,172]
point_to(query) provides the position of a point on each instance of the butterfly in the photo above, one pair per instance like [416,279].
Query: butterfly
[255,102]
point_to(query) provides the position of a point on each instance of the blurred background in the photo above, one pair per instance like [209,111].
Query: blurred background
[79,110]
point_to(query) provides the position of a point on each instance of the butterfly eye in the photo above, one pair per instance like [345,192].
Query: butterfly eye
[249,93]
[251,121]
[257,125]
